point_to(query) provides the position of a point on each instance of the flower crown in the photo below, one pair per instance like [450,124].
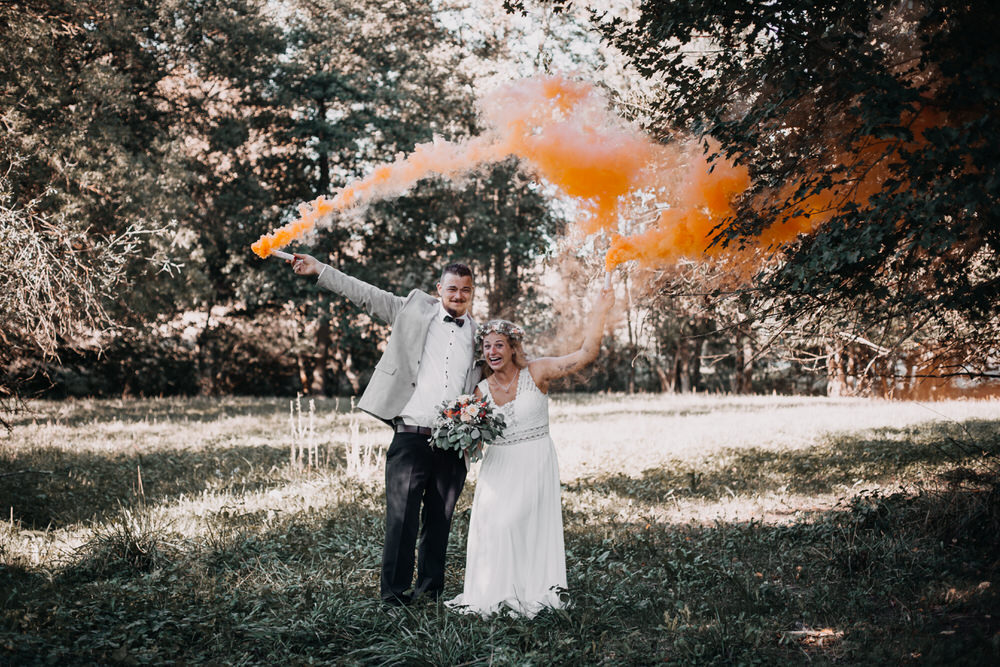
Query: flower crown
[508,329]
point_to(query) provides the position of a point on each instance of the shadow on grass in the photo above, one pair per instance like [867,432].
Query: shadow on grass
[174,593]
[841,460]
[64,487]
[876,584]
[884,580]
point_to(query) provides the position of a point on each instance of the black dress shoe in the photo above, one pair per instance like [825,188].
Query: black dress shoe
[427,597]
[400,600]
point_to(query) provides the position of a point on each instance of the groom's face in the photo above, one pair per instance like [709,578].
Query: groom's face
[456,293]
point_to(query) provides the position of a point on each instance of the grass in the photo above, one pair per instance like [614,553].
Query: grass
[699,530]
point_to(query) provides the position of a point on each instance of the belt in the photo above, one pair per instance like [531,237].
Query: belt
[406,428]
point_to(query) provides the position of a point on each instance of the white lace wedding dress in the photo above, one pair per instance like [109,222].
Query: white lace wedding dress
[515,556]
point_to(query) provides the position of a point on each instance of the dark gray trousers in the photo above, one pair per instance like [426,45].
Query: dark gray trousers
[422,485]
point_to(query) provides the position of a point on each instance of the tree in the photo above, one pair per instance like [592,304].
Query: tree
[54,286]
[79,113]
[126,120]
[870,131]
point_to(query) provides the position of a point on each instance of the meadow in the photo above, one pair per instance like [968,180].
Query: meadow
[699,530]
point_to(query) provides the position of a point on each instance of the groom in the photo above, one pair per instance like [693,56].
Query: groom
[428,359]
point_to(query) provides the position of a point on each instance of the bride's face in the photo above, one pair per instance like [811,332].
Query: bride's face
[497,351]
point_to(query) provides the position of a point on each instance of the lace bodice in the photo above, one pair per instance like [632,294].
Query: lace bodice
[527,416]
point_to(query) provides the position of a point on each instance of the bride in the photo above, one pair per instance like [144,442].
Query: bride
[515,556]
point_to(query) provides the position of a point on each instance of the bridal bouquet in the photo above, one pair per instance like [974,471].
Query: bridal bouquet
[466,424]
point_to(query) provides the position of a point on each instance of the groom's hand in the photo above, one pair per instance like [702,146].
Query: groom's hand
[304,265]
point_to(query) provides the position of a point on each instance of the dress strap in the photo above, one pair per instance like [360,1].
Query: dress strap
[528,383]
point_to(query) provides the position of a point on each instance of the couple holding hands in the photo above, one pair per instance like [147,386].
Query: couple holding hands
[515,557]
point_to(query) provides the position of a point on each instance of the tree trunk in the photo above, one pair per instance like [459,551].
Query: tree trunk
[318,387]
[836,374]
[303,372]
[909,381]
[631,369]
[682,365]
[695,370]
[494,297]
[629,327]
[743,371]
[324,157]
[666,380]
[346,366]
[748,358]
[206,381]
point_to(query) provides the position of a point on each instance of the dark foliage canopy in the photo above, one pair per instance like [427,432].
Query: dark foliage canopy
[877,119]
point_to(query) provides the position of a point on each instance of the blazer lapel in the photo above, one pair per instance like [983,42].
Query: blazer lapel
[473,375]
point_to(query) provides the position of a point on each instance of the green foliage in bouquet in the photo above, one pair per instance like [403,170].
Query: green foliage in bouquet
[467,424]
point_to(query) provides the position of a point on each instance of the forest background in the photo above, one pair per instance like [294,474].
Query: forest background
[146,144]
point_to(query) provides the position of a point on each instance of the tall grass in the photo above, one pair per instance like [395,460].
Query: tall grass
[699,530]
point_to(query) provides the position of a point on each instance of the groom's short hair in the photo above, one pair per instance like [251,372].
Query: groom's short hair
[458,269]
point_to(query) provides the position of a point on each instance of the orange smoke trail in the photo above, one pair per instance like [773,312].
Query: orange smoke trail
[700,200]
[281,237]
[863,170]
[561,128]
[696,202]
[566,133]
[441,157]
[564,130]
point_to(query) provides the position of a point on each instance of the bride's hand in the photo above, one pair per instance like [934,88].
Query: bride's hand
[604,300]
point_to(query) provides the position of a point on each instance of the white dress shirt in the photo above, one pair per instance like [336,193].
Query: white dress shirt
[443,367]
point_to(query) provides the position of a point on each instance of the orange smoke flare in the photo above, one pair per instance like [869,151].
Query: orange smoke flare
[281,237]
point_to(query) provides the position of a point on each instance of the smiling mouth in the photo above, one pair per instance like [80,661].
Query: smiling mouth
[494,360]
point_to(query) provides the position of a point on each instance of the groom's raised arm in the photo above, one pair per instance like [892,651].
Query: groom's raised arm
[376,302]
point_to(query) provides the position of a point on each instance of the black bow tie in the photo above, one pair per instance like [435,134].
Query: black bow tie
[457,320]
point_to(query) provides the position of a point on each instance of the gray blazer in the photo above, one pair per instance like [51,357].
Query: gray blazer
[395,375]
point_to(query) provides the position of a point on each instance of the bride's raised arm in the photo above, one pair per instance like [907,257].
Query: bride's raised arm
[546,369]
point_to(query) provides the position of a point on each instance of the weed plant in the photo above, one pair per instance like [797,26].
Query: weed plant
[876,543]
